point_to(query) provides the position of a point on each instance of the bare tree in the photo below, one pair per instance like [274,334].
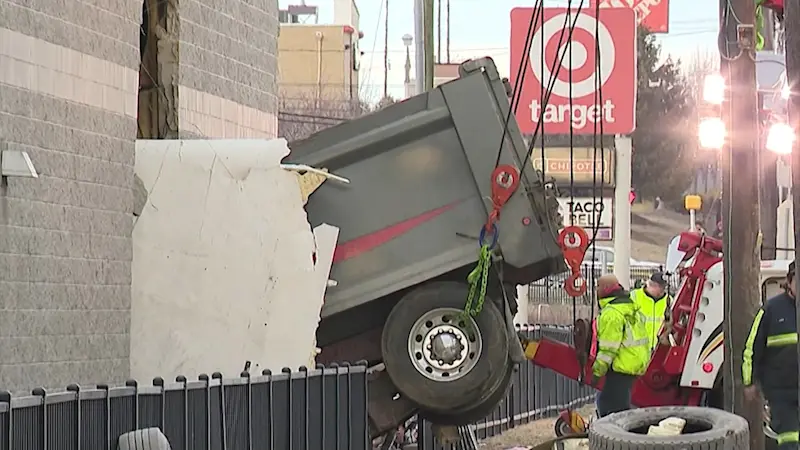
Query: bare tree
[701,64]
[302,113]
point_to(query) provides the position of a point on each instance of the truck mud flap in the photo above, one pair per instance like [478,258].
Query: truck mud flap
[384,410]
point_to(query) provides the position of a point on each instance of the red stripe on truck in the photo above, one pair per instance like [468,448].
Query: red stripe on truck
[359,245]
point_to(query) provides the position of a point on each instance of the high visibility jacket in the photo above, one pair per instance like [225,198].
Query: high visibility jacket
[770,352]
[622,343]
[653,310]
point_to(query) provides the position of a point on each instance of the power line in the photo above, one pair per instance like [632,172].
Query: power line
[374,42]
[493,49]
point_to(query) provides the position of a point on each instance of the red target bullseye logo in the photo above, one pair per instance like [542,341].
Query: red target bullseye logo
[582,83]
[578,55]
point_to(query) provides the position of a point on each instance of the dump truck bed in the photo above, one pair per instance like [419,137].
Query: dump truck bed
[420,191]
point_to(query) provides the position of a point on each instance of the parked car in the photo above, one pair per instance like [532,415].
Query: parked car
[607,254]
[551,289]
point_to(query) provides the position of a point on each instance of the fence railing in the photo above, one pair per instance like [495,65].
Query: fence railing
[324,408]
[535,393]
[550,290]
[320,409]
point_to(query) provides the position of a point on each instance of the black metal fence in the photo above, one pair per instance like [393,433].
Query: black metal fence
[535,393]
[550,290]
[320,409]
[324,408]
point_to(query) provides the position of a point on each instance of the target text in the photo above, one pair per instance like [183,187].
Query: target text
[578,115]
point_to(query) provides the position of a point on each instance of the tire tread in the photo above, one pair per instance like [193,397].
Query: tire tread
[728,431]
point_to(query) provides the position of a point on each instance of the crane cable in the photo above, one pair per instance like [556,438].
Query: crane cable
[478,277]
[598,100]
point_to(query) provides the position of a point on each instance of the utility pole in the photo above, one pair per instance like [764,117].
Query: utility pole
[386,52]
[740,219]
[791,14]
[439,31]
[447,59]
[427,15]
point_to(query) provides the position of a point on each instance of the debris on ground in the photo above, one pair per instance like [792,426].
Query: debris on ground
[523,437]
[671,426]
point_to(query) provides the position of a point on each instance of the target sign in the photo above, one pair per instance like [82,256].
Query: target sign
[614,34]
[651,14]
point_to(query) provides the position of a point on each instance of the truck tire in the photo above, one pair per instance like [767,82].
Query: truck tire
[478,412]
[706,429]
[145,439]
[437,357]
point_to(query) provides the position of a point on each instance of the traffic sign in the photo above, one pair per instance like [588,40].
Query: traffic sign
[651,14]
[615,35]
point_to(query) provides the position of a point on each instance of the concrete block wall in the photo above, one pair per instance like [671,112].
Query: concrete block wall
[68,85]
[228,68]
[68,96]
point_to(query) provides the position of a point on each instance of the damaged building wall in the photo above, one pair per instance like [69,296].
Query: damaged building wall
[228,66]
[223,262]
[209,69]
[68,85]
[69,79]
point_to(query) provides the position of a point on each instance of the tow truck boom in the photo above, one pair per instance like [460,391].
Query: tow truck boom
[686,343]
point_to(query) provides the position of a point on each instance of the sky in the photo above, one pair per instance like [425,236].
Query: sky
[481,28]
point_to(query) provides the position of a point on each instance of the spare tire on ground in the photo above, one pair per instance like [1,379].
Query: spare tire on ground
[706,429]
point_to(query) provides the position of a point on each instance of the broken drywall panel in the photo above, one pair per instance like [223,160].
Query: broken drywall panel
[325,236]
[222,260]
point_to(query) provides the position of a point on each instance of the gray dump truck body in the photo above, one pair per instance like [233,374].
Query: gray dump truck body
[420,191]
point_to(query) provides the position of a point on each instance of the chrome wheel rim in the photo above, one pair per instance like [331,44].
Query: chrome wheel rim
[444,345]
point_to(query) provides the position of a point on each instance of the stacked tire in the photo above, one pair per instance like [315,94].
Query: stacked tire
[706,429]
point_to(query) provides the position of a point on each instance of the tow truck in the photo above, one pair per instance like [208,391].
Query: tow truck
[685,369]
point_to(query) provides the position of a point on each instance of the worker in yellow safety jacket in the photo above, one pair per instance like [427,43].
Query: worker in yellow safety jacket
[623,350]
[653,300]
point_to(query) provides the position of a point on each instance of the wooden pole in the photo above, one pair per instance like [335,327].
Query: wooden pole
[740,219]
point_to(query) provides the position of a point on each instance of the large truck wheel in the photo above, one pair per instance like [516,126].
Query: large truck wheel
[439,358]
[480,411]
[706,428]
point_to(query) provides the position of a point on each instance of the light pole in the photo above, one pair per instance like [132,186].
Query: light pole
[407,41]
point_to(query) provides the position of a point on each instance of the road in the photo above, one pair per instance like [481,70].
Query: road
[651,232]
